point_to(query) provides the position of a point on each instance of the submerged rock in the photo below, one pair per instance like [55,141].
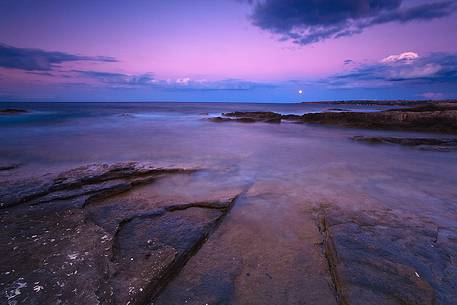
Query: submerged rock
[8,166]
[421,143]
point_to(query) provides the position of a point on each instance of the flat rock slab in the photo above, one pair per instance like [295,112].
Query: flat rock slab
[92,181]
[377,257]
[263,253]
[60,249]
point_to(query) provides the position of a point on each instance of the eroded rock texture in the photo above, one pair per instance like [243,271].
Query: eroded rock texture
[442,120]
[437,118]
[376,257]
[71,239]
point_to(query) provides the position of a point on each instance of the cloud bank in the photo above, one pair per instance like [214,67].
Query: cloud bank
[406,68]
[310,21]
[40,60]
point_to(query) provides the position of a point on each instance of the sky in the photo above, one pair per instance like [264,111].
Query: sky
[227,50]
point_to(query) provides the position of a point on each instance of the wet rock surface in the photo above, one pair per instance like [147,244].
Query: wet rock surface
[135,233]
[447,144]
[70,239]
[377,257]
[257,257]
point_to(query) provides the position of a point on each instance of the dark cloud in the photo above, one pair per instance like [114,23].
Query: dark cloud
[309,21]
[40,60]
[435,68]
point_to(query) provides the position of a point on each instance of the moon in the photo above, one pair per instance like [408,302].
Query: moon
[300,91]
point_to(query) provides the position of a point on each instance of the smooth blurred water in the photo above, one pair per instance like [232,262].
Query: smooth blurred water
[312,162]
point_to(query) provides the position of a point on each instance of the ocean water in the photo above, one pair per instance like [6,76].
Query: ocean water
[55,136]
[52,136]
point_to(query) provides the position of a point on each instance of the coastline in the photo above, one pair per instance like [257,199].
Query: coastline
[223,213]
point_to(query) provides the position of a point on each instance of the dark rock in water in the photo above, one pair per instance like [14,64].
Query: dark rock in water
[441,121]
[9,166]
[60,248]
[377,258]
[439,118]
[421,143]
[12,111]
[239,120]
[251,117]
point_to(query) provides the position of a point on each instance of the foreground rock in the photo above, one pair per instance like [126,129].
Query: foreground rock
[438,118]
[70,239]
[265,252]
[377,257]
[420,143]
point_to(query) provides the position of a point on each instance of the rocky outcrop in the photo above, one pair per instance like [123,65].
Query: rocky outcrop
[420,143]
[439,121]
[438,118]
[70,238]
[377,258]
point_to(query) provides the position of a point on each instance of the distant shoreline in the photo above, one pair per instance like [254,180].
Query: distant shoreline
[383,102]
[336,102]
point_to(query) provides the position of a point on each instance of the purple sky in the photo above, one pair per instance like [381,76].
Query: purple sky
[227,50]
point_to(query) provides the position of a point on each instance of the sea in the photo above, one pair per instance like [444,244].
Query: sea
[313,162]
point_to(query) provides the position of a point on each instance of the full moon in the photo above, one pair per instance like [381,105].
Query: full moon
[300,91]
